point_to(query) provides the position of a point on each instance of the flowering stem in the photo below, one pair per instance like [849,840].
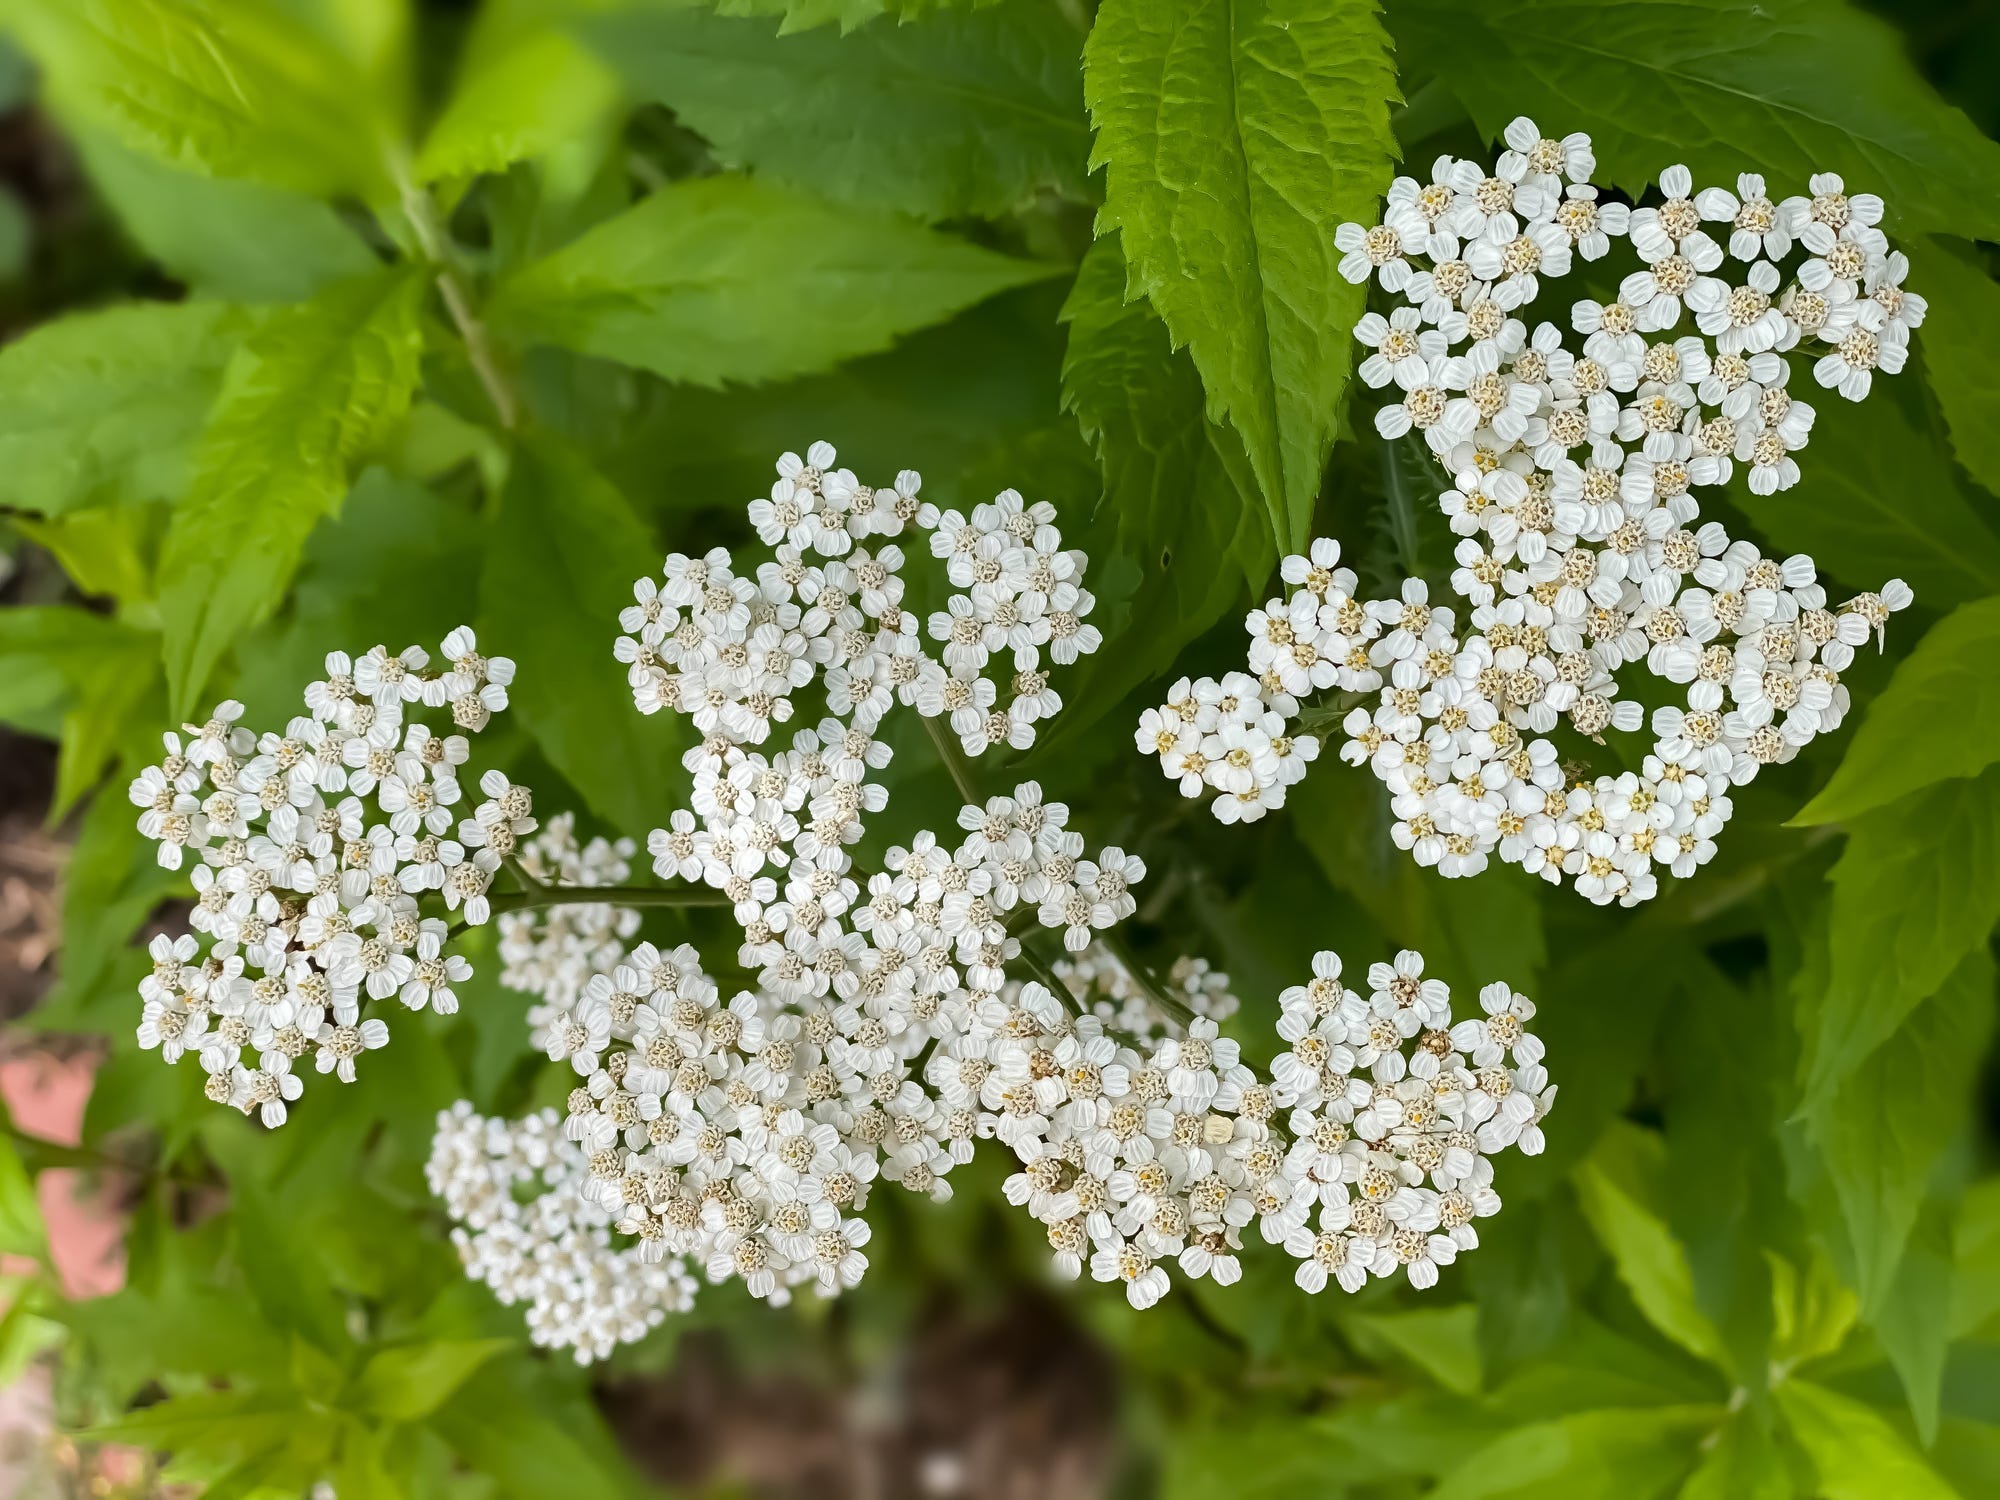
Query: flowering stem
[604,895]
[954,762]
[1142,976]
[421,211]
[529,880]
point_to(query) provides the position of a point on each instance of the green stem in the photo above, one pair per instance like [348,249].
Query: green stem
[595,895]
[421,211]
[954,762]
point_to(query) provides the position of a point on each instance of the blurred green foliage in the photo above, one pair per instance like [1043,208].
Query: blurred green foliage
[337,321]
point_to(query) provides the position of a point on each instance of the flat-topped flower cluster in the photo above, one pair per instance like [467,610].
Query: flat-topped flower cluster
[326,856]
[1367,1151]
[1574,476]
[731,648]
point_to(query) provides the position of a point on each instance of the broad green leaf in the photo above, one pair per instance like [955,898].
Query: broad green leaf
[1261,1458]
[1650,1261]
[1912,1318]
[731,279]
[312,392]
[1857,1454]
[1959,333]
[225,237]
[803,15]
[110,884]
[1723,1186]
[218,1421]
[1238,135]
[565,551]
[957,114]
[104,407]
[107,669]
[1884,1129]
[407,1384]
[105,550]
[235,90]
[1179,510]
[287,1280]
[1939,717]
[516,101]
[1443,1341]
[1630,1454]
[399,565]
[537,1435]
[1849,510]
[1915,891]
[1788,87]
[1976,1258]
[1742,1463]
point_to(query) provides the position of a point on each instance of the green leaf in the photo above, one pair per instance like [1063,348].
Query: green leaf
[21,1229]
[1856,1453]
[1789,87]
[286,1278]
[223,1422]
[110,884]
[536,1434]
[849,15]
[528,95]
[1630,1454]
[105,549]
[1724,1186]
[1884,1129]
[1912,1320]
[1238,135]
[408,1384]
[1443,1342]
[226,237]
[1960,331]
[1179,508]
[1976,1258]
[1939,717]
[1650,1261]
[237,90]
[312,392]
[1811,1315]
[1849,513]
[102,407]
[955,115]
[399,564]
[730,279]
[1915,891]
[564,553]
[107,669]
[1743,1463]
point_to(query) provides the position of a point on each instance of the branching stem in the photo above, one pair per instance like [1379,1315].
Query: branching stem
[954,762]
[611,895]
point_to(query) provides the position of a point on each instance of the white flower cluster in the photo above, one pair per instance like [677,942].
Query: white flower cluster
[746,1133]
[318,849]
[731,650]
[1583,551]
[1134,1157]
[520,1226]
